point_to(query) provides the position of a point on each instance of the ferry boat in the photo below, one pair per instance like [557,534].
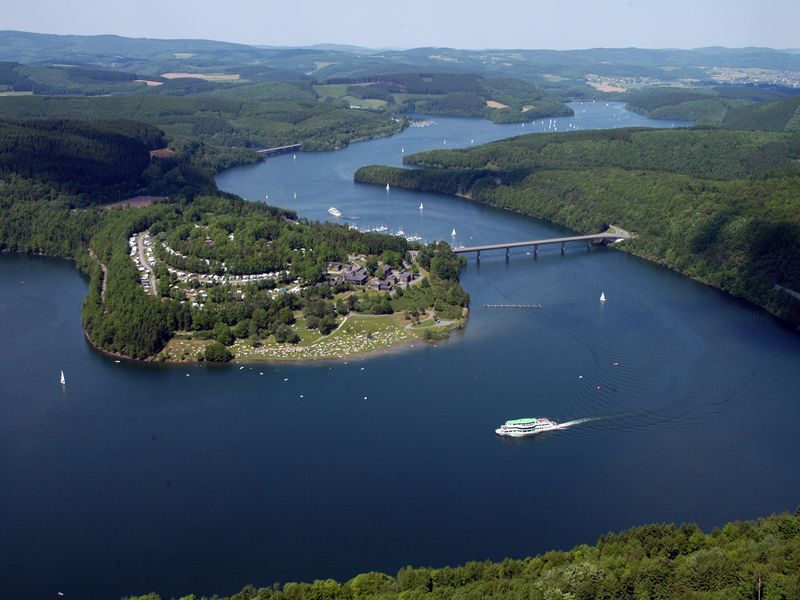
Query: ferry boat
[335,211]
[527,426]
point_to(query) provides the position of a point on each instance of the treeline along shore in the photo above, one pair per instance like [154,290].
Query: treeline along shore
[198,274]
[751,560]
[721,206]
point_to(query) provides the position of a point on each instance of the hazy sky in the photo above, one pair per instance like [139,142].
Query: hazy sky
[558,24]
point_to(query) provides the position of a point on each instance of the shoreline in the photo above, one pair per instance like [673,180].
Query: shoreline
[622,248]
[407,344]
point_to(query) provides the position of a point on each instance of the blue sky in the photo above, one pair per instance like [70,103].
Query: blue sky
[412,23]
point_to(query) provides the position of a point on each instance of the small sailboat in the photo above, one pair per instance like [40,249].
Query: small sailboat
[602,296]
[453,233]
[420,206]
[402,150]
[294,156]
[472,141]
[295,195]
[62,380]
[387,186]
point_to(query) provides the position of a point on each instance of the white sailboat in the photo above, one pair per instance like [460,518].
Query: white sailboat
[295,195]
[602,296]
[420,206]
[387,186]
[62,380]
[453,233]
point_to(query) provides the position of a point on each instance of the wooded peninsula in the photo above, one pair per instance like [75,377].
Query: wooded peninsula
[196,274]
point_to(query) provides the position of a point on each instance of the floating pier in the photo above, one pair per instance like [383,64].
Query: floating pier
[512,306]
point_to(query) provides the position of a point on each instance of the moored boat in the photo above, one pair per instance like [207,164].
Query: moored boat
[335,211]
[526,426]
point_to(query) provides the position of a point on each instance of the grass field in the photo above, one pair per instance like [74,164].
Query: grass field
[357,334]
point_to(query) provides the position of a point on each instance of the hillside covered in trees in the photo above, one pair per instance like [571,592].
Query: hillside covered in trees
[748,560]
[731,107]
[719,206]
[219,131]
[223,268]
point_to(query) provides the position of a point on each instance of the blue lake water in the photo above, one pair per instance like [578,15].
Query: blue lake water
[137,478]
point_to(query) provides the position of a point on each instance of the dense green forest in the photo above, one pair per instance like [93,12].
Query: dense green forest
[719,206]
[219,131]
[53,173]
[748,560]
[81,159]
[738,107]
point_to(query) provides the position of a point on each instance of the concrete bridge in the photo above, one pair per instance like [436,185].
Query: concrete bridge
[595,238]
[279,150]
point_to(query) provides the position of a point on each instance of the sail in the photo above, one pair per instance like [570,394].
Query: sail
[63,381]
[453,233]
[602,296]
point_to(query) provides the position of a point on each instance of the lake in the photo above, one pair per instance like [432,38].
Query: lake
[135,478]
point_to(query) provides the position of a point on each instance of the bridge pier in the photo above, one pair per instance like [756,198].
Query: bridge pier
[562,247]
[536,249]
[508,250]
[478,255]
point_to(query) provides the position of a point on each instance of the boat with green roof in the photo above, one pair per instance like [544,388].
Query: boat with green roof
[526,426]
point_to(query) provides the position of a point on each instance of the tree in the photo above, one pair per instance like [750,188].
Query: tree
[216,352]
[223,334]
[372,264]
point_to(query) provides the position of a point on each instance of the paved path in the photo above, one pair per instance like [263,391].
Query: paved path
[143,261]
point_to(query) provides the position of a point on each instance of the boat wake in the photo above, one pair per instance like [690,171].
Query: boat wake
[567,424]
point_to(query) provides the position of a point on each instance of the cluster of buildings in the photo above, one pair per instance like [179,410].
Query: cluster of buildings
[780,78]
[194,285]
[386,278]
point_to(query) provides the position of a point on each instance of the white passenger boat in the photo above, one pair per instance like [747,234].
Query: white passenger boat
[525,427]
[335,211]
